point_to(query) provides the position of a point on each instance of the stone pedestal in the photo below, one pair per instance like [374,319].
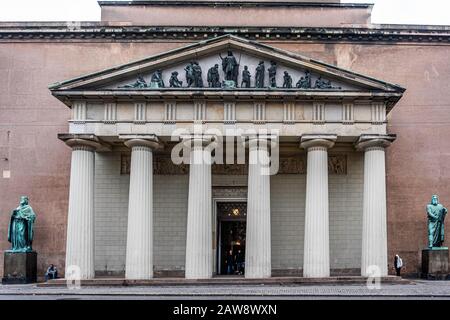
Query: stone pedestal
[20,267]
[435,264]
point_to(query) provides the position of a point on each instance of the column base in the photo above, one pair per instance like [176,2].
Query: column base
[20,267]
[435,264]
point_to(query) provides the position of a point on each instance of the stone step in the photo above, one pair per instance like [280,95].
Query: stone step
[231,281]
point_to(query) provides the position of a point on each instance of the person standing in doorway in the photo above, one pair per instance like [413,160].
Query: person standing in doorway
[398,264]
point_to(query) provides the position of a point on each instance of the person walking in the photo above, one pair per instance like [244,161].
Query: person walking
[398,264]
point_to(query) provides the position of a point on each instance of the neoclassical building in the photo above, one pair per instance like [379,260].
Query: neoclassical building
[254,138]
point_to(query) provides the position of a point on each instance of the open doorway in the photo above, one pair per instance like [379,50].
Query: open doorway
[231,219]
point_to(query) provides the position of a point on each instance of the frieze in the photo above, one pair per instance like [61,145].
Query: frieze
[163,165]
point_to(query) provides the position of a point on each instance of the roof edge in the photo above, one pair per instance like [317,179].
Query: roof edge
[227,3]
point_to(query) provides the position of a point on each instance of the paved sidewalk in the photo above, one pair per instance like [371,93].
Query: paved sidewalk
[417,289]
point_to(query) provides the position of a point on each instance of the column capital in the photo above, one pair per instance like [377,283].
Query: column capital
[317,140]
[374,141]
[141,140]
[88,141]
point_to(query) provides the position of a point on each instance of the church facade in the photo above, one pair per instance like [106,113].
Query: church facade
[254,138]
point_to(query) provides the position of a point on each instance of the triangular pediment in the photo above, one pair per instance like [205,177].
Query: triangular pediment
[294,73]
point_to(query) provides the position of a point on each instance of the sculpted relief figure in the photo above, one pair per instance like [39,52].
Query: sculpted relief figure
[259,77]
[197,70]
[436,213]
[20,230]
[287,80]
[245,78]
[140,83]
[305,82]
[324,84]
[190,74]
[174,82]
[230,67]
[157,80]
[213,77]
[272,74]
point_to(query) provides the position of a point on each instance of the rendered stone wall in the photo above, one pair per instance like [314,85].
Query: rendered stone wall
[418,163]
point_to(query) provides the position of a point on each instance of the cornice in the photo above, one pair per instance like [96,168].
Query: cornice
[97,32]
[234,3]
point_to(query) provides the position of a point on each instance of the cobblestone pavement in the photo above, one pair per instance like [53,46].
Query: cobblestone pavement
[417,289]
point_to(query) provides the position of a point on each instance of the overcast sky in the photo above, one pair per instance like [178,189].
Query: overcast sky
[385,11]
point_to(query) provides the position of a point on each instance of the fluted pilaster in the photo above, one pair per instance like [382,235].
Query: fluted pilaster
[258,237]
[374,233]
[199,258]
[80,220]
[316,259]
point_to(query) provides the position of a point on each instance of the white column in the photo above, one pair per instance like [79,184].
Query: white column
[139,255]
[80,220]
[199,257]
[316,259]
[258,239]
[374,234]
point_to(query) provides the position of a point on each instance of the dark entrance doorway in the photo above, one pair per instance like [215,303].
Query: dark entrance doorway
[231,237]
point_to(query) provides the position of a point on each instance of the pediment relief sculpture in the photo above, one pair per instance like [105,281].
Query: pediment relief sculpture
[228,77]
[226,63]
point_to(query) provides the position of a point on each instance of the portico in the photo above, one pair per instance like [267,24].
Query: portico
[326,141]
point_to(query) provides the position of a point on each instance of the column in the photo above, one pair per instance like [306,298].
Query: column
[258,240]
[199,251]
[139,254]
[374,234]
[316,259]
[80,220]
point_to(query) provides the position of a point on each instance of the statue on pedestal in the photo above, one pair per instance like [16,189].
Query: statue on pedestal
[436,214]
[20,231]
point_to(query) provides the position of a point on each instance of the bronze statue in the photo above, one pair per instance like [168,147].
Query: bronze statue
[140,83]
[197,70]
[174,82]
[230,67]
[245,78]
[213,77]
[287,80]
[157,80]
[20,230]
[190,79]
[305,82]
[436,215]
[324,84]
[272,74]
[259,77]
